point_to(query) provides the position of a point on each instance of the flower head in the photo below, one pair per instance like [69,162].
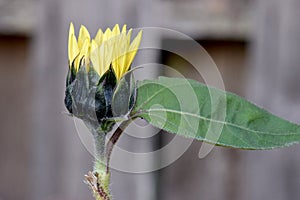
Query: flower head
[98,89]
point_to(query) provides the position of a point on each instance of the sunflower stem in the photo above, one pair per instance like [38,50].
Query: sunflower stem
[99,179]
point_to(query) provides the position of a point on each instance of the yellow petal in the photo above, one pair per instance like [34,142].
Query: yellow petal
[107,35]
[93,49]
[105,54]
[133,48]
[83,55]
[124,28]
[116,30]
[95,59]
[85,49]
[129,36]
[73,50]
[99,37]
[83,35]
[94,45]
[71,30]
[101,58]
[119,58]
[107,57]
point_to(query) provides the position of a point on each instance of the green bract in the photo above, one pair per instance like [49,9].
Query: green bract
[99,102]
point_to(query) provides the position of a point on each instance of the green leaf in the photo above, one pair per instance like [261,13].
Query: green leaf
[194,110]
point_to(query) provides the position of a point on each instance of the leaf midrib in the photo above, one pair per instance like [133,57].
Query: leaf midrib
[213,120]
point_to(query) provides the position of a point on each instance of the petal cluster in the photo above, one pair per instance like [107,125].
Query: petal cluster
[111,48]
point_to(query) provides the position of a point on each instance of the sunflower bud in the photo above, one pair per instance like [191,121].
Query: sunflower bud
[99,86]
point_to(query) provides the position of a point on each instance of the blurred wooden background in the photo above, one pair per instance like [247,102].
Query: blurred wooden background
[255,44]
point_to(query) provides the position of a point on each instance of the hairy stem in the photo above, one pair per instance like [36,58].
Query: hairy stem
[99,179]
[99,139]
